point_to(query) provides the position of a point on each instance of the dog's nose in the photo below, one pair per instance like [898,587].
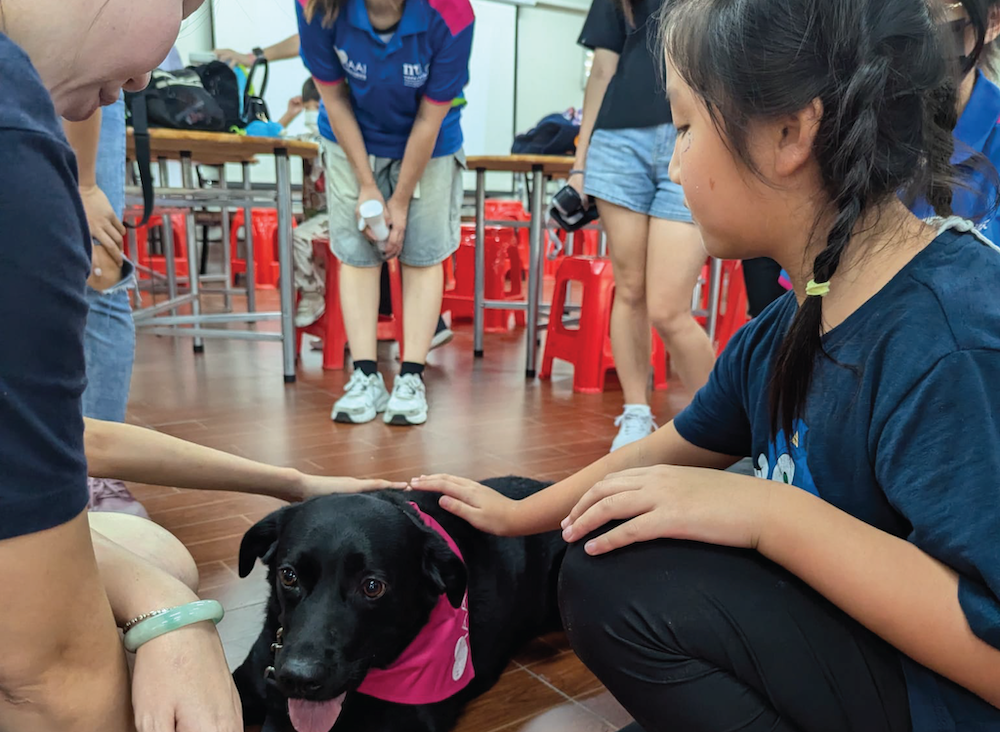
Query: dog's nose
[299,677]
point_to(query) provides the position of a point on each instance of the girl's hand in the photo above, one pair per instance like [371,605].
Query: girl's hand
[320,485]
[670,502]
[181,683]
[478,504]
[370,192]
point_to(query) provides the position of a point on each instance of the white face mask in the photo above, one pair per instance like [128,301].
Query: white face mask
[311,119]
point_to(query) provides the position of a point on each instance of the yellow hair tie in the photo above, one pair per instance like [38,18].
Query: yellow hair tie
[817,289]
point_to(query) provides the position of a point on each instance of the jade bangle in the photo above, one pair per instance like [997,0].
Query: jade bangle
[178,617]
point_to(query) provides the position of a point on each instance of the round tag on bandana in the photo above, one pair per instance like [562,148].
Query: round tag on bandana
[461,659]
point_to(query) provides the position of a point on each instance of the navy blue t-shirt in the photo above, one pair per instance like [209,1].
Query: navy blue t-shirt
[908,442]
[44,262]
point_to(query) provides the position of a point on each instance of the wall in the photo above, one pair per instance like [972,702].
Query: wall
[550,64]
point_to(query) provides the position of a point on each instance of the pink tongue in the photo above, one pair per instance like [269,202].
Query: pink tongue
[309,716]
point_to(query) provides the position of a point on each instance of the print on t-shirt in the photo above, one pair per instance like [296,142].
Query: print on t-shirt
[787,463]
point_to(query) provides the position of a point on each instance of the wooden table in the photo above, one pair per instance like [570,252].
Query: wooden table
[542,168]
[216,148]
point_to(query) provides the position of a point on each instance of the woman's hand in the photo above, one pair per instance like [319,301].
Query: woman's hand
[370,192]
[321,485]
[181,683]
[670,502]
[396,212]
[234,58]
[105,226]
[478,504]
[105,268]
[576,183]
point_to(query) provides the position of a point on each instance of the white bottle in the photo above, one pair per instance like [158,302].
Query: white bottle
[373,217]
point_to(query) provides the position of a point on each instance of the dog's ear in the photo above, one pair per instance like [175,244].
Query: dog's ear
[444,569]
[260,541]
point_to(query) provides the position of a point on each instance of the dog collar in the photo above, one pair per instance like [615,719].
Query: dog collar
[438,663]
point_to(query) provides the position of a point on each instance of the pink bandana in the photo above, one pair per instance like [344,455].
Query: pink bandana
[438,663]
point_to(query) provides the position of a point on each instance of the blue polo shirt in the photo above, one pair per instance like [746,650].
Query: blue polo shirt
[427,57]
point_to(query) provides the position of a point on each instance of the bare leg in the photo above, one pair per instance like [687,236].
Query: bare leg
[359,294]
[148,541]
[630,334]
[675,257]
[422,292]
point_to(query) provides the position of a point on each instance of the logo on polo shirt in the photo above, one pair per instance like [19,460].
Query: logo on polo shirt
[353,68]
[415,75]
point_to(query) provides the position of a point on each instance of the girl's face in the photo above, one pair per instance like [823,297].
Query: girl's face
[87,51]
[744,213]
[725,199]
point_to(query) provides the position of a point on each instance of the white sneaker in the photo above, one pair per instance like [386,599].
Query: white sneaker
[311,307]
[635,422]
[408,403]
[364,397]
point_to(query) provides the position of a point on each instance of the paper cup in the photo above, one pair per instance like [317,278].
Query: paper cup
[373,216]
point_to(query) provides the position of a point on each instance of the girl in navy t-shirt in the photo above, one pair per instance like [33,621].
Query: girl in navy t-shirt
[854,584]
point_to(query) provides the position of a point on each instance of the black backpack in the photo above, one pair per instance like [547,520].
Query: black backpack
[204,97]
[553,135]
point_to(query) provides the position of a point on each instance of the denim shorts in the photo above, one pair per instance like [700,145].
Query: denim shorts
[630,168]
[434,221]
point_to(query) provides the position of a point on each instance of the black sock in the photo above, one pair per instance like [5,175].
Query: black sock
[409,367]
[368,368]
[440,326]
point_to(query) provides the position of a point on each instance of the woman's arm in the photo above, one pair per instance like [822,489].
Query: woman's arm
[62,668]
[601,72]
[181,680]
[105,227]
[337,100]
[131,453]
[288,48]
[545,510]
[419,149]
[887,584]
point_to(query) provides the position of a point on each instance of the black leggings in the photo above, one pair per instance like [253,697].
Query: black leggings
[761,279]
[691,637]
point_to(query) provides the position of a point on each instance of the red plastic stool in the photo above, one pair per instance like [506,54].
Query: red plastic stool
[503,277]
[503,210]
[588,347]
[733,304]
[158,262]
[330,326]
[265,246]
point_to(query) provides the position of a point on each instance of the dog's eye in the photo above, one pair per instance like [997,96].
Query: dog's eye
[288,577]
[373,588]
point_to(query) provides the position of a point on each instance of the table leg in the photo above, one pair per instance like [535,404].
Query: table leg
[714,287]
[535,268]
[250,273]
[168,238]
[478,311]
[227,263]
[187,171]
[283,176]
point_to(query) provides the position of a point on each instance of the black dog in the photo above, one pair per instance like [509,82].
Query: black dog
[355,578]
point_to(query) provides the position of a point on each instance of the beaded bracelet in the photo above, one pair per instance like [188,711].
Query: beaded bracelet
[162,622]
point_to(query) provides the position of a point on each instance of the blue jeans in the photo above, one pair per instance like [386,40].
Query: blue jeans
[109,338]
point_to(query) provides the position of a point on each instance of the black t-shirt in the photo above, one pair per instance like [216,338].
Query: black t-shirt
[636,96]
[44,262]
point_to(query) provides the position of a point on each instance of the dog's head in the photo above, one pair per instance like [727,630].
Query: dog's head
[354,579]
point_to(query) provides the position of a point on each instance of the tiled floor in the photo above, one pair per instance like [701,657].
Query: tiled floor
[486,419]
